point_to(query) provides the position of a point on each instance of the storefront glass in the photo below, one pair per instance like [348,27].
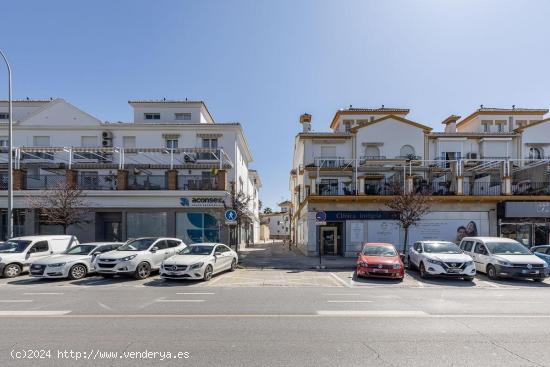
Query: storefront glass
[146,224]
[197,227]
[529,234]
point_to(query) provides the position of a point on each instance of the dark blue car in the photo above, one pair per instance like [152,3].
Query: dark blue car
[543,252]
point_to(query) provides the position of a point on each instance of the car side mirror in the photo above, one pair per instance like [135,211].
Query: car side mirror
[96,253]
[154,249]
[28,255]
[419,250]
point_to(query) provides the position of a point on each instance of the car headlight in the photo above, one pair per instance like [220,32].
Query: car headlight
[57,265]
[545,265]
[196,266]
[363,264]
[469,263]
[436,262]
[397,266]
[504,263]
[128,258]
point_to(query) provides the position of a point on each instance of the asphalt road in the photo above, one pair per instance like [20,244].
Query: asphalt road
[334,321]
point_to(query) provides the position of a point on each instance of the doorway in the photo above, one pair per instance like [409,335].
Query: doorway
[112,231]
[329,241]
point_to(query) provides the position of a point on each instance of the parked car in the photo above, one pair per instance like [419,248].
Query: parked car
[199,261]
[504,257]
[543,252]
[380,260]
[17,253]
[434,258]
[74,263]
[138,257]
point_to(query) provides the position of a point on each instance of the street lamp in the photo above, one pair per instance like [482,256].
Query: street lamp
[10,156]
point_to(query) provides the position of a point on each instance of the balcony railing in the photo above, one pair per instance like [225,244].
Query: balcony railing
[3,181]
[483,188]
[334,189]
[97,182]
[531,188]
[364,158]
[332,162]
[44,182]
[197,183]
[148,182]
[381,188]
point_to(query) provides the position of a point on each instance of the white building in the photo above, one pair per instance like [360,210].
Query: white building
[474,169]
[277,223]
[168,172]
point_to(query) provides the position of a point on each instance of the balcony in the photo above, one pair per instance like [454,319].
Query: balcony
[97,182]
[332,162]
[197,183]
[334,189]
[148,182]
[44,182]
[531,188]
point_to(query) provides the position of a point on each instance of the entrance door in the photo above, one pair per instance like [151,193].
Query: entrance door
[111,231]
[329,240]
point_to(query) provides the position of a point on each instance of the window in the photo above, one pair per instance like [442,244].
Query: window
[128,141]
[3,141]
[328,151]
[89,141]
[172,243]
[535,153]
[146,224]
[41,141]
[541,250]
[40,246]
[152,116]
[521,123]
[467,246]
[480,249]
[186,116]
[161,245]
[372,152]
[4,116]
[197,227]
[106,248]
[406,151]
[211,143]
[171,143]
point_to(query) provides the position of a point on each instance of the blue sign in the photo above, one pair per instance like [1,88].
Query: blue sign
[230,215]
[184,202]
[321,217]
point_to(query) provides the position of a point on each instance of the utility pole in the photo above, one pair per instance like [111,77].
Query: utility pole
[10,155]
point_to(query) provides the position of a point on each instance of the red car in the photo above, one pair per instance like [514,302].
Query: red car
[380,260]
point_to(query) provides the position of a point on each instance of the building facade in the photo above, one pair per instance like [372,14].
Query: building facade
[169,172]
[277,224]
[481,171]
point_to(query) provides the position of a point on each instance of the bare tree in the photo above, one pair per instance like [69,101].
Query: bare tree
[410,208]
[239,201]
[64,205]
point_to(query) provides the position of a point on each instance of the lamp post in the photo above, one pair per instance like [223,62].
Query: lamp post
[10,156]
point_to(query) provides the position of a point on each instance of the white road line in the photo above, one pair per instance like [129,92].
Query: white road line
[341,294]
[373,313]
[180,300]
[196,293]
[33,313]
[104,306]
[43,294]
[341,281]
[15,300]
[490,284]
[349,301]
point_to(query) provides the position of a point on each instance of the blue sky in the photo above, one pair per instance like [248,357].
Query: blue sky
[264,62]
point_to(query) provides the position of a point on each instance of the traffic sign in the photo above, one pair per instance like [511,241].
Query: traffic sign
[321,217]
[230,215]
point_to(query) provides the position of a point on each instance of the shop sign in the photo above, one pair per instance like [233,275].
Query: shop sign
[360,215]
[202,202]
[527,209]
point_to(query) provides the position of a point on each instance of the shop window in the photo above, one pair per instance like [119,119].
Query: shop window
[197,227]
[146,224]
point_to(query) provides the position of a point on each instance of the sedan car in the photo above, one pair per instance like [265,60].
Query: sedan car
[380,260]
[441,258]
[74,263]
[543,252]
[199,261]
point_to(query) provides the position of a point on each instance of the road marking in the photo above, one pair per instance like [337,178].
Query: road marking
[350,301]
[180,300]
[197,293]
[341,294]
[374,313]
[33,313]
[15,300]
[341,281]
[105,306]
[43,294]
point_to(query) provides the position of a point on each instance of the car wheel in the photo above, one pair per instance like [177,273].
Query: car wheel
[233,265]
[208,273]
[12,271]
[78,271]
[410,265]
[143,270]
[468,279]
[423,273]
[538,280]
[492,272]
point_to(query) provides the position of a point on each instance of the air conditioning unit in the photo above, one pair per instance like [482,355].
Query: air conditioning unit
[471,155]
[106,139]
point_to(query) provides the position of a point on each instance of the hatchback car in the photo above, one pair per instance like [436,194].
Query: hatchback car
[433,258]
[380,260]
[199,261]
[504,257]
[74,263]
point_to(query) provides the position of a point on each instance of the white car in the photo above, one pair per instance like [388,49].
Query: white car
[17,253]
[504,257]
[199,261]
[74,263]
[440,258]
[138,257]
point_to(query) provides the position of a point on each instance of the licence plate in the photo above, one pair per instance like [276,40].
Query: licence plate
[530,271]
[380,270]
[453,271]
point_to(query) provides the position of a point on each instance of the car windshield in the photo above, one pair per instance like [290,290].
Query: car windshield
[379,251]
[13,246]
[507,248]
[197,250]
[140,244]
[80,250]
[442,248]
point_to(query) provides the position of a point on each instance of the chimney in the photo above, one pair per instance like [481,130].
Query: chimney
[450,123]
[305,120]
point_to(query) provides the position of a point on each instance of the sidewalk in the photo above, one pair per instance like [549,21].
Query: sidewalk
[271,255]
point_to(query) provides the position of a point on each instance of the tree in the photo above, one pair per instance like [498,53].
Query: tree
[260,205]
[268,210]
[239,201]
[410,208]
[64,205]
